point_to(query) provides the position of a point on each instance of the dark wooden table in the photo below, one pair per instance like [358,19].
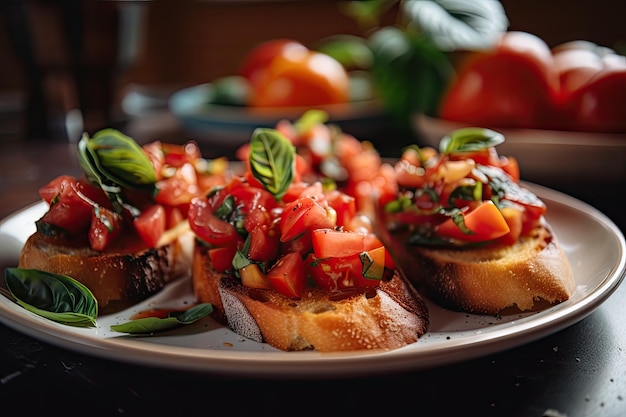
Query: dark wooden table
[577,372]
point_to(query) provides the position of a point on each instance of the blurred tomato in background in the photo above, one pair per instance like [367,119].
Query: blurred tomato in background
[522,83]
[512,85]
[285,73]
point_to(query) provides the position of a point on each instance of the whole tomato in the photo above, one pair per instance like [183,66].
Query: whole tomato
[296,76]
[512,85]
[576,62]
[600,104]
[262,54]
[593,87]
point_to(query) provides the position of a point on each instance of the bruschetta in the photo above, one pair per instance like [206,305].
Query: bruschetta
[293,264]
[468,233]
[121,229]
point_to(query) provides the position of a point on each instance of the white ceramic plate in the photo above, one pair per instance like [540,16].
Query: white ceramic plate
[542,154]
[232,126]
[594,246]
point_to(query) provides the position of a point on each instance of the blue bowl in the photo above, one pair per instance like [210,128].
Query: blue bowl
[229,127]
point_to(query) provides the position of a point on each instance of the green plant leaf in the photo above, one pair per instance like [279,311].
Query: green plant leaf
[351,51]
[57,297]
[309,119]
[409,71]
[413,60]
[272,159]
[195,313]
[148,325]
[469,139]
[366,13]
[115,160]
[454,25]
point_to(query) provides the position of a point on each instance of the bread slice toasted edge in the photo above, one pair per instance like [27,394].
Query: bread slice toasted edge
[388,317]
[489,280]
[112,277]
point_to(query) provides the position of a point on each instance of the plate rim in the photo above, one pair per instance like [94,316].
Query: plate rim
[271,364]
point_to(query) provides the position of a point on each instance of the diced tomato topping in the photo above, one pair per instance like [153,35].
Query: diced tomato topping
[54,187]
[333,243]
[335,273]
[485,223]
[208,227]
[104,228]
[301,215]
[179,188]
[264,243]
[514,219]
[150,224]
[222,257]
[71,209]
[288,275]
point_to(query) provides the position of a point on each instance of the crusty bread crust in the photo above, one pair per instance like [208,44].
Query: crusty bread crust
[119,276]
[489,280]
[388,317]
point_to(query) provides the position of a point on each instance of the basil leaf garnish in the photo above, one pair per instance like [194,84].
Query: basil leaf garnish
[56,297]
[469,139]
[309,119]
[272,159]
[113,160]
[156,324]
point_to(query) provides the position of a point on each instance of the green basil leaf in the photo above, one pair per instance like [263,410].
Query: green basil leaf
[195,313]
[469,139]
[148,325]
[57,297]
[309,119]
[115,160]
[272,159]
[240,260]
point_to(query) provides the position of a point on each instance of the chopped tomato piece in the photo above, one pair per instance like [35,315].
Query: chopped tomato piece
[264,244]
[514,218]
[179,188]
[302,244]
[70,210]
[208,227]
[105,226]
[333,243]
[222,257]
[335,273]
[288,275]
[301,215]
[486,222]
[54,187]
[150,224]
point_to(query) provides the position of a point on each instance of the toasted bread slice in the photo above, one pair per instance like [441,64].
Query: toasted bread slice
[488,280]
[120,276]
[390,316]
